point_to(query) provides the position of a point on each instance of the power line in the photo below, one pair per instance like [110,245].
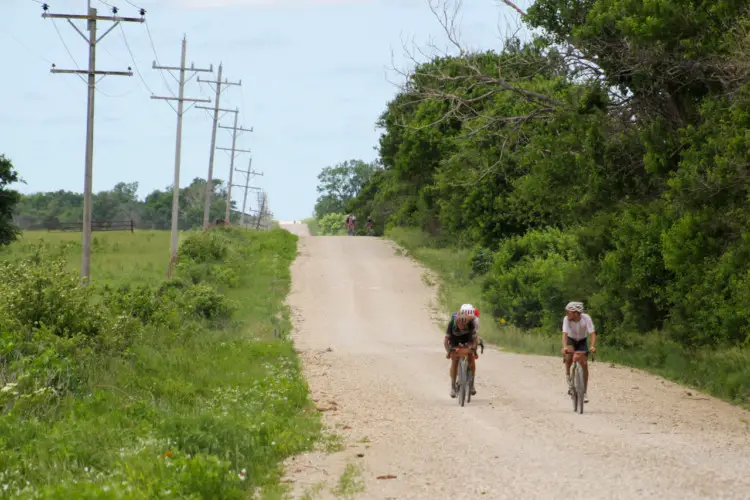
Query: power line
[70,54]
[156,58]
[137,69]
[114,9]
[132,4]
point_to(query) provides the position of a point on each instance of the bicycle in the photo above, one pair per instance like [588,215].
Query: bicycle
[576,382]
[464,379]
[370,229]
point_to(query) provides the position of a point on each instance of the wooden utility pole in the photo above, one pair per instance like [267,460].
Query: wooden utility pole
[248,173]
[92,40]
[181,99]
[209,179]
[235,129]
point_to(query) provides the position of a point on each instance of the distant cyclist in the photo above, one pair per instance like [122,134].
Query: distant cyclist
[349,224]
[463,328]
[370,225]
[576,328]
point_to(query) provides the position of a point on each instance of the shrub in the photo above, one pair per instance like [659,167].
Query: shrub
[206,302]
[332,225]
[534,276]
[208,246]
[481,260]
[36,293]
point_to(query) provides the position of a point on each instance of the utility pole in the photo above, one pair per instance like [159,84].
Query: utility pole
[262,196]
[92,40]
[248,173]
[234,150]
[210,177]
[181,99]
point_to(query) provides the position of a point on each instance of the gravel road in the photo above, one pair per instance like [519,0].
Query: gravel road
[373,357]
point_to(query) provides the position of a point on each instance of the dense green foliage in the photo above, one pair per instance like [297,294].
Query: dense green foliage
[140,390]
[338,185]
[622,183]
[332,224]
[48,210]
[8,200]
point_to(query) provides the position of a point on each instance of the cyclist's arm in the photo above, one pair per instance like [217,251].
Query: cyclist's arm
[592,333]
[565,333]
[447,338]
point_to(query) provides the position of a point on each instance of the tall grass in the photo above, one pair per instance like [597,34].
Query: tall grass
[188,390]
[312,226]
[116,257]
[722,372]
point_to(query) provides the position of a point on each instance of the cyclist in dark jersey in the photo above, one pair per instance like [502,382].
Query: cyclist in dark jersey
[463,328]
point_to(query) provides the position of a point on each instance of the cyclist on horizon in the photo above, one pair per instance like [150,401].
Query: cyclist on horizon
[576,328]
[463,328]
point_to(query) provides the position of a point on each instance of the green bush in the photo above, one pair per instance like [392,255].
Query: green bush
[142,302]
[204,246]
[36,293]
[332,225]
[206,302]
[481,261]
[534,276]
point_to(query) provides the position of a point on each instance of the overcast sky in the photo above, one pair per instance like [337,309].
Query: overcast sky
[316,74]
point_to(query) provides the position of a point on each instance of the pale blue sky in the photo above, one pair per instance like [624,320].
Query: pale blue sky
[315,77]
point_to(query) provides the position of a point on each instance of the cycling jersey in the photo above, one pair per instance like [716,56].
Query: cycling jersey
[578,330]
[461,336]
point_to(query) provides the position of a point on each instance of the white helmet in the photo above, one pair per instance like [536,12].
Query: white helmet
[574,307]
[467,312]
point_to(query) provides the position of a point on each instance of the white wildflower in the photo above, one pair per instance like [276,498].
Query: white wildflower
[8,387]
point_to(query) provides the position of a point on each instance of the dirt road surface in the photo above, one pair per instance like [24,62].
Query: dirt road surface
[372,354]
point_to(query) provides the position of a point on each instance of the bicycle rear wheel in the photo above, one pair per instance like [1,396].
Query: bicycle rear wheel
[462,376]
[580,389]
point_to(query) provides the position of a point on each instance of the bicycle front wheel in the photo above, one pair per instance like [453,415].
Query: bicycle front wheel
[462,377]
[580,389]
[572,386]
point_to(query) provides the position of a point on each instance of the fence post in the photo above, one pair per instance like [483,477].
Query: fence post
[132,226]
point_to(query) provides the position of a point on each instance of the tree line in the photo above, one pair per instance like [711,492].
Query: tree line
[605,160]
[121,203]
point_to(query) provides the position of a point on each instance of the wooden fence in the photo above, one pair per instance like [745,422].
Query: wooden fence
[127,225]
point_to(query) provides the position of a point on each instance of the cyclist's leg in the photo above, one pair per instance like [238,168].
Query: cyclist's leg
[473,368]
[453,371]
[583,348]
[568,356]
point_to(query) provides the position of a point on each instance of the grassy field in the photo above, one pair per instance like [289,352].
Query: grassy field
[116,257]
[133,388]
[722,372]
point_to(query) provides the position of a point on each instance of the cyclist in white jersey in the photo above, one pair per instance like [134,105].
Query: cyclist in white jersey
[577,327]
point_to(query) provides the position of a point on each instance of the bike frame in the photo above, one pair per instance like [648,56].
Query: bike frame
[462,353]
[577,380]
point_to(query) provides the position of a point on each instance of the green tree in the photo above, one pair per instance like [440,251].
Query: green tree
[339,184]
[8,200]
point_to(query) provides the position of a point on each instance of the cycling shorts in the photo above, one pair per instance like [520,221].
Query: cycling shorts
[467,338]
[579,345]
